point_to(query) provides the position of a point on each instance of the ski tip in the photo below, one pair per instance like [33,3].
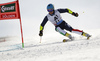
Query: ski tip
[64,40]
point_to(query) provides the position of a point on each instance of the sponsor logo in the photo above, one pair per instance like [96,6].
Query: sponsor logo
[8,16]
[8,8]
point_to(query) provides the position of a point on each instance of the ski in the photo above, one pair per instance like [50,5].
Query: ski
[67,40]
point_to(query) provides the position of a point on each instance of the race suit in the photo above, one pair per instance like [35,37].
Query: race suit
[58,22]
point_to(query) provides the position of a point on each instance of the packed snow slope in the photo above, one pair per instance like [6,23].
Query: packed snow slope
[53,49]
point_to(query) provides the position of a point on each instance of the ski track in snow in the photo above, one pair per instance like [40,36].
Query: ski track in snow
[53,51]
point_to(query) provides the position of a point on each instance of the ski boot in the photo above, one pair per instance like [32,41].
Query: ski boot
[69,36]
[86,35]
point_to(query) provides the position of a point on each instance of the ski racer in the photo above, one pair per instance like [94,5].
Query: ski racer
[55,18]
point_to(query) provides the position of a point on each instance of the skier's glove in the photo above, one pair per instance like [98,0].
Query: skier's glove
[41,33]
[75,14]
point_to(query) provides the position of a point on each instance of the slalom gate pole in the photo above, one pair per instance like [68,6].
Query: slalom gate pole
[20,25]
[21,33]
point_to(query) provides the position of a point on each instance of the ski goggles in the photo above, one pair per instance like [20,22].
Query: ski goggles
[50,10]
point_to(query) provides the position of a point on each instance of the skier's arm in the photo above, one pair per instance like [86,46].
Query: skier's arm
[43,23]
[42,26]
[69,11]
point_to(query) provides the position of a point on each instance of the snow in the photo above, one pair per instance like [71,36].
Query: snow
[55,50]
[51,47]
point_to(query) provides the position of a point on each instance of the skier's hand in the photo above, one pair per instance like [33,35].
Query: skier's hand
[41,33]
[75,14]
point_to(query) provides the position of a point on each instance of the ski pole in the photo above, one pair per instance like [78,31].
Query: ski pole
[40,38]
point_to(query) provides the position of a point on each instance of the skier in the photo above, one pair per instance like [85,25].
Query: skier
[54,17]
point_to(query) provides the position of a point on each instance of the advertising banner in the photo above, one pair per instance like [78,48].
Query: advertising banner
[9,10]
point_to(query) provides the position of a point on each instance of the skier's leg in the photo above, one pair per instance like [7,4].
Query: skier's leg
[58,29]
[69,28]
[77,31]
[81,33]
